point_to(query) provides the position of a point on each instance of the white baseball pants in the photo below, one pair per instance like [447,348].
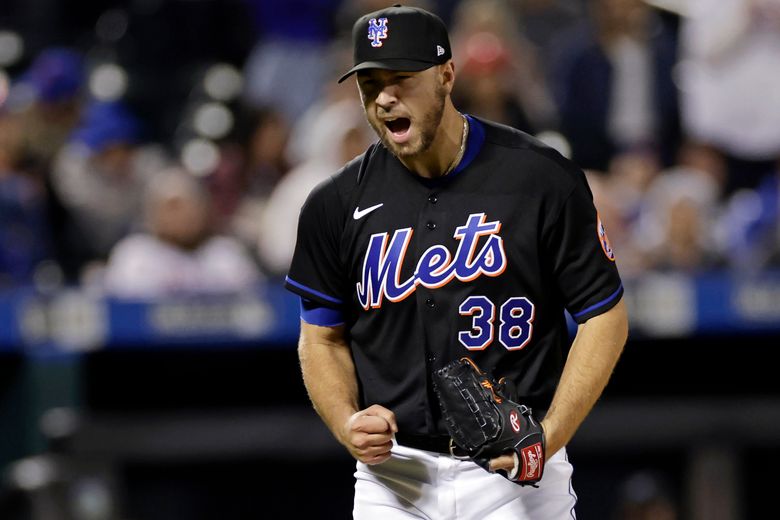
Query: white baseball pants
[423,484]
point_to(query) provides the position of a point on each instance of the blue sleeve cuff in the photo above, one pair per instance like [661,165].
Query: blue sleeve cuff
[316,314]
[600,307]
[307,292]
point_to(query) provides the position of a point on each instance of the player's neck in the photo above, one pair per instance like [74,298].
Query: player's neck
[447,148]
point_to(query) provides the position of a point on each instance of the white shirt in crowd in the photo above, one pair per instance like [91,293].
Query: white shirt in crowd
[730,75]
[142,266]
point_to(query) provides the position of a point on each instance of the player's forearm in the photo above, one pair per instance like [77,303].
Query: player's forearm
[329,376]
[592,358]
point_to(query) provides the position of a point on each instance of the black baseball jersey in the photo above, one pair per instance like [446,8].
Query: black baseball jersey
[479,263]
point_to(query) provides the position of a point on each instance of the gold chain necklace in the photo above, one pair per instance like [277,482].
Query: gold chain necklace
[462,150]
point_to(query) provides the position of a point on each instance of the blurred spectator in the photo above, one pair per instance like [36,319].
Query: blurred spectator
[730,79]
[99,177]
[178,253]
[631,174]
[83,165]
[751,225]
[657,218]
[485,86]
[613,84]
[250,166]
[165,46]
[288,63]
[331,132]
[646,496]
[674,230]
[48,97]
[543,20]
[499,76]
[705,159]
[339,134]
[301,144]
[619,195]
[24,234]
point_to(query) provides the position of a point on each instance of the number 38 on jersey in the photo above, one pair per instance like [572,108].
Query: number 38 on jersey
[381,278]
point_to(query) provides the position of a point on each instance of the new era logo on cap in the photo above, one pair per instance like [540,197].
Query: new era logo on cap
[419,40]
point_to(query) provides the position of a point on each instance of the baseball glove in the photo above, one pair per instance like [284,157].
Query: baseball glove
[484,423]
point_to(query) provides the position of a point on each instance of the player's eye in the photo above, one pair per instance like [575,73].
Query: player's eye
[368,85]
[402,78]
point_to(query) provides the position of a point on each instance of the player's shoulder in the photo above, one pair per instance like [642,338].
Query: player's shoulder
[531,153]
[336,191]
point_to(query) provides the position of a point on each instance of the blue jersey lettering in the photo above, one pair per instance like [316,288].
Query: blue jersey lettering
[380,277]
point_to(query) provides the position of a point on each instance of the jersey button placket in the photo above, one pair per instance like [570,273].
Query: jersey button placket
[430,303]
[433,198]
[431,225]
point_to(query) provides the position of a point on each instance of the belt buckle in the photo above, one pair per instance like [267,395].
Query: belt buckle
[453,446]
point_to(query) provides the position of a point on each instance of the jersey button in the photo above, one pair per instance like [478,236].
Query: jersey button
[431,225]
[433,199]
[430,303]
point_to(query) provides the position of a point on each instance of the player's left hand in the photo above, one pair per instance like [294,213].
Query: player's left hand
[497,433]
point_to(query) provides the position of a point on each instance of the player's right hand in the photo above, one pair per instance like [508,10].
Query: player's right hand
[368,434]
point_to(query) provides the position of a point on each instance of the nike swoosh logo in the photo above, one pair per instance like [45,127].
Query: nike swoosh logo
[360,213]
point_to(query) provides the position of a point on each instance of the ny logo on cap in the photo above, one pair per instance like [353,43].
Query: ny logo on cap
[377,31]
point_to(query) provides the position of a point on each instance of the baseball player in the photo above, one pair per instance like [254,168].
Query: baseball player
[453,237]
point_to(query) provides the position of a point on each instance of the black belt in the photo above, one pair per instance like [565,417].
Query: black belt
[440,443]
[437,443]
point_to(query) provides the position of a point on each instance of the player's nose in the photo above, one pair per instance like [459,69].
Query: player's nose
[387,97]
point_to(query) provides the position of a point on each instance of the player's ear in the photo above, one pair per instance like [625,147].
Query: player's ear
[447,75]
[360,90]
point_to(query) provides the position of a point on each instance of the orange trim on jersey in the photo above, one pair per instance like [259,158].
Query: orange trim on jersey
[408,292]
[529,322]
[491,322]
[503,258]
[447,265]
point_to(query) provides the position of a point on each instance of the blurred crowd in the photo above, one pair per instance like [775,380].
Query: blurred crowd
[165,147]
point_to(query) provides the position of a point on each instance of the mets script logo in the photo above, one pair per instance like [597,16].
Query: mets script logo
[377,31]
[381,275]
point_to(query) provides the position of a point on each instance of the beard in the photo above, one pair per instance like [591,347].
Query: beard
[427,126]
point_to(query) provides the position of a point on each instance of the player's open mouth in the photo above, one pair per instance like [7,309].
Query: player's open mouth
[399,128]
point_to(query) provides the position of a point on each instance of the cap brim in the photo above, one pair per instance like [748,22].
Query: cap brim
[390,64]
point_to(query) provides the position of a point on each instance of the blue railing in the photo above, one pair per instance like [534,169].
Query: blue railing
[75,321]
[661,305]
